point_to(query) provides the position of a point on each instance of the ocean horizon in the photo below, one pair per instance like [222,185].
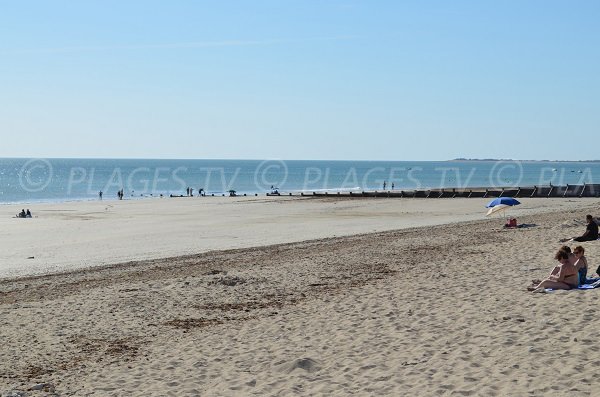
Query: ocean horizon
[33,180]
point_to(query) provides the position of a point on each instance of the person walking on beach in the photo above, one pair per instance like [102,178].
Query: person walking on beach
[100,195]
[384,185]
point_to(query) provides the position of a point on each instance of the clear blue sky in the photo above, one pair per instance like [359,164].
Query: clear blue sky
[292,79]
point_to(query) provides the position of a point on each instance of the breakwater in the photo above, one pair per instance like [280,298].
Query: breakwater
[585,190]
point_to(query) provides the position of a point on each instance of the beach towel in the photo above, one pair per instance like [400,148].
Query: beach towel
[595,283]
[592,283]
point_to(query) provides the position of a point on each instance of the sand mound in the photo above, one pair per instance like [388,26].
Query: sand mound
[306,364]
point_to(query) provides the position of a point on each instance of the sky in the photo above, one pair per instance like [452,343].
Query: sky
[300,79]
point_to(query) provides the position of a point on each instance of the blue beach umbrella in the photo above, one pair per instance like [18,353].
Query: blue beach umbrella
[502,200]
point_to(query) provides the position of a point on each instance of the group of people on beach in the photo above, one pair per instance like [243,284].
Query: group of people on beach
[24,214]
[190,192]
[571,271]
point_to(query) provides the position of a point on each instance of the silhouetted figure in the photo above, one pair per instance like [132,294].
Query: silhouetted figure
[21,214]
[392,185]
[384,185]
[591,230]
[100,194]
[28,214]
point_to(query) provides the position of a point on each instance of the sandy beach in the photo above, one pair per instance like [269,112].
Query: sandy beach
[75,235]
[304,297]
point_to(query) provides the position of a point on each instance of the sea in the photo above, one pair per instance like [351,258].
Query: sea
[32,180]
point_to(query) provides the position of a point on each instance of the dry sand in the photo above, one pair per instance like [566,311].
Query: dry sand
[74,235]
[424,311]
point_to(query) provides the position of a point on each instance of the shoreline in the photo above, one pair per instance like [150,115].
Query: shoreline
[412,192]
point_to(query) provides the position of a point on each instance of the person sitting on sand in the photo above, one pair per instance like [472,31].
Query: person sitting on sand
[591,231]
[581,263]
[22,214]
[572,260]
[567,276]
[28,214]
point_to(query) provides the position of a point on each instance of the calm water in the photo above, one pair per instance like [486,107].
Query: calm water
[35,180]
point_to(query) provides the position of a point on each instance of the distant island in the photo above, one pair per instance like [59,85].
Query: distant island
[529,161]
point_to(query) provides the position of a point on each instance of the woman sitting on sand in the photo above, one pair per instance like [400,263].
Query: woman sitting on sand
[581,263]
[566,277]
[572,260]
